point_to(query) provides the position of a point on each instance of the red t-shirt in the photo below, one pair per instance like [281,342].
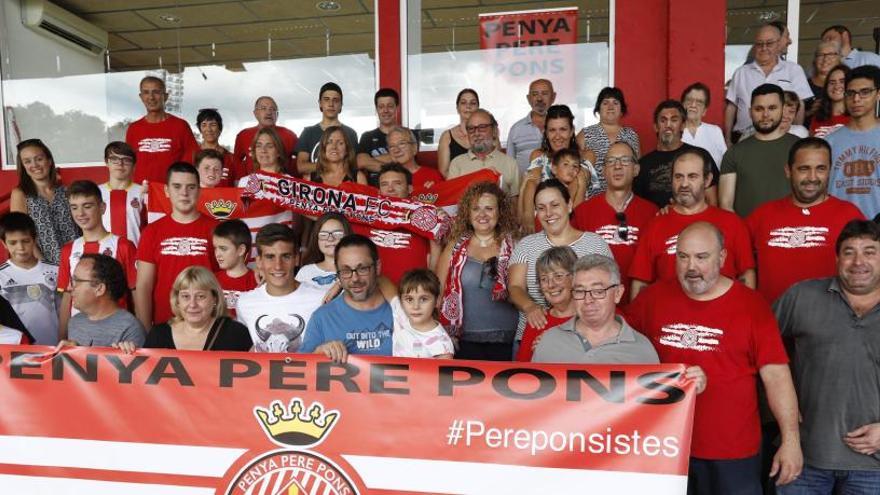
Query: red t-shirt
[655,255]
[596,215]
[172,247]
[425,174]
[822,128]
[399,250]
[731,337]
[530,334]
[242,151]
[794,244]
[114,246]
[158,145]
[234,286]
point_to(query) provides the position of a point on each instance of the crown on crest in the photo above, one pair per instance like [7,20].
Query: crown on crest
[220,208]
[295,425]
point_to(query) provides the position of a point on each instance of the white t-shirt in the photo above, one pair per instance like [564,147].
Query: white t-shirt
[710,138]
[409,342]
[11,336]
[277,323]
[33,294]
[313,277]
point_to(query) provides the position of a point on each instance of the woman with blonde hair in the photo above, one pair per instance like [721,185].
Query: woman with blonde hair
[336,159]
[200,321]
[473,275]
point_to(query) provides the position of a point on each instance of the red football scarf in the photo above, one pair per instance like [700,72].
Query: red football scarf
[359,203]
[446,194]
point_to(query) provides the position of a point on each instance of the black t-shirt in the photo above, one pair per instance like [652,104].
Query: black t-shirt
[310,140]
[654,181]
[233,336]
[373,143]
[9,318]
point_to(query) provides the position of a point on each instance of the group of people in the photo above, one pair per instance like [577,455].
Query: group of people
[743,252]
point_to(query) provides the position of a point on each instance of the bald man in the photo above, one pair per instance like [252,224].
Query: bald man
[266,113]
[706,319]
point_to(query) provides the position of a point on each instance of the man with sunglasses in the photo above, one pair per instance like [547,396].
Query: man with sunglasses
[618,215]
[359,322]
[655,255]
[706,319]
[482,130]
[855,148]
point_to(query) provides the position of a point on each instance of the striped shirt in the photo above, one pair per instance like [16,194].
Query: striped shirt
[125,214]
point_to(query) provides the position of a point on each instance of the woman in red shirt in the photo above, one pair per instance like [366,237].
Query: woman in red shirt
[831,112]
[555,269]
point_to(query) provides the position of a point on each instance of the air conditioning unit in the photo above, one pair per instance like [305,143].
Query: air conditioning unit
[51,20]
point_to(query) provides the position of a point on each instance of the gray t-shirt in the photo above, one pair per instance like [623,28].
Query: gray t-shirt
[760,171]
[121,326]
[836,371]
[562,344]
[310,139]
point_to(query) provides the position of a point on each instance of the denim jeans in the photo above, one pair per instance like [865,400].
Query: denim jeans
[815,481]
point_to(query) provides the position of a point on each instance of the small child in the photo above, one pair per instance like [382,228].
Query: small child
[416,332]
[232,245]
[27,283]
[125,215]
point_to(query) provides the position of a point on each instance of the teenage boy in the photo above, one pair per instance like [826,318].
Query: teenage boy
[232,246]
[330,104]
[125,214]
[276,313]
[172,243]
[27,283]
[87,208]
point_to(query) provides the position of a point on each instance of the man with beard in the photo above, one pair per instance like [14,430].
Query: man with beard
[266,113]
[752,171]
[654,181]
[373,149]
[855,174]
[834,324]
[794,236]
[655,255]
[526,134]
[706,319]
[482,129]
[359,322]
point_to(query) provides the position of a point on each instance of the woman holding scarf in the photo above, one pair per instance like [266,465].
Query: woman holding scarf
[473,274]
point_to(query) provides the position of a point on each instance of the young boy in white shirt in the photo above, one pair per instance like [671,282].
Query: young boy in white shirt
[125,214]
[416,332]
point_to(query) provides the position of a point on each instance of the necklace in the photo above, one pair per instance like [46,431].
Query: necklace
[484,242]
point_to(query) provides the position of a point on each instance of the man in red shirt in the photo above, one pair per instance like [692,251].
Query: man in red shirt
[399,250]
[655,255]
[266,113]
[171,244]
[158,138]
[794,236]
[619,216]
[402,146]
[706,319]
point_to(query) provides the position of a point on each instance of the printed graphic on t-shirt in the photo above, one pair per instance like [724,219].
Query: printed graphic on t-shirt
[857,166]
[231,297]
[611,234]
[323,280]
[670,244]
[687,336]
[798,237]
[154,145]
[184,246]
[276,334]
[390,239]
[363,341]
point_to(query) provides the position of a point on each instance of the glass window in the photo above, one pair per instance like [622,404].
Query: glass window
[75,85]
[744,17]
[456,44]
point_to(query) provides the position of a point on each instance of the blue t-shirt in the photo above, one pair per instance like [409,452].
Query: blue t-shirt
[363,332]
[855,168]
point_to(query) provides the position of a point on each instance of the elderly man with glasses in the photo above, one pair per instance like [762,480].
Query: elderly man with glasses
[482,129]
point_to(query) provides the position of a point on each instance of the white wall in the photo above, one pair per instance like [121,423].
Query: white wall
[28,54]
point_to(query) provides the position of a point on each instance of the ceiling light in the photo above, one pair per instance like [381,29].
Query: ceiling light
[169,18]
[328,5]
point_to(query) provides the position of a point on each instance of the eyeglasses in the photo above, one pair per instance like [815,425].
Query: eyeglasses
[120,160]
[766,44]
[822,56]
[362,271]
[400,146]
[481,127]
[77,281]
[556,278]
[863,93]
[581,294]
[694,101]
[29,142]
[619,160]
[326,235]
[622,228]
[266,109]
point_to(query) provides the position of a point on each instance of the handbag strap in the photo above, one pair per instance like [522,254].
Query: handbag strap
[216,328]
